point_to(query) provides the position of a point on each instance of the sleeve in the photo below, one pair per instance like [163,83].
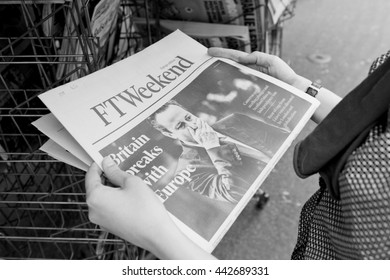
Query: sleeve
[379,61]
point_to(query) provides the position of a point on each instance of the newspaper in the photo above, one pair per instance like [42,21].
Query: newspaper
[202,132]
[277,8]
[253,16]
[50,126]
[213,11]
[58,152]
[103,20]
[208,34]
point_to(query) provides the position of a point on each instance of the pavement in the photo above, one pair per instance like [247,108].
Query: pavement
[332,42]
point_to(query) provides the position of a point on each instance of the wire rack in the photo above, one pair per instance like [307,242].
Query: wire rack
[43,214]
[43,44]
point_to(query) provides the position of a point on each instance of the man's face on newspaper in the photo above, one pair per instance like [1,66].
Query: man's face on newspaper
[177,121]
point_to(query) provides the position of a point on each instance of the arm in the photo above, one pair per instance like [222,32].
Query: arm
[277,68]
[118,211]
[328,100]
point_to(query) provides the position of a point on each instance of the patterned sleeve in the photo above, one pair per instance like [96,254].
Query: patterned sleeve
[377,62]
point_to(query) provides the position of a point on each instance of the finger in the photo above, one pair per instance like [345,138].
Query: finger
[192,132]
[92,178]
[262,69]
[200,124]
[201,128]
[207,127]
[113,172]
[235,55]
[258,58]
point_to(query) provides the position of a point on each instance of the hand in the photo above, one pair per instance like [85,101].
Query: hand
[204,134]
[277,68]
[132,211]
[266,63]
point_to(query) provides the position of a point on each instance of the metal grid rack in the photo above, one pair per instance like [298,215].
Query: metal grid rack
[273,35]
[43,214]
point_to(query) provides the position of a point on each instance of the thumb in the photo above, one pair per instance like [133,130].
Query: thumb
[92,178]
[113,172]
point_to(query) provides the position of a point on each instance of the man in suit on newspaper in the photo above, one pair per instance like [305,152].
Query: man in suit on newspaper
[228,157]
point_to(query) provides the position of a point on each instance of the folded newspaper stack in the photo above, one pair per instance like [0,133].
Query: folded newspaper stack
[202,132]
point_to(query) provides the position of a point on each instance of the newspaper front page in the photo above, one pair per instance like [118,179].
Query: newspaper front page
[202,132]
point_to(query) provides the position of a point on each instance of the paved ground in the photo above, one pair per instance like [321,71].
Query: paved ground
[352,33]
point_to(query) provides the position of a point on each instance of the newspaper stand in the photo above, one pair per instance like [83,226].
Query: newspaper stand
[273,33]
[43,214]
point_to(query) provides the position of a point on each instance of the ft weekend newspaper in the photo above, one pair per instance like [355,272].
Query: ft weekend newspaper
[202,132]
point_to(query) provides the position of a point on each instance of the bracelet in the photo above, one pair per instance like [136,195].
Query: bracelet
[313,89]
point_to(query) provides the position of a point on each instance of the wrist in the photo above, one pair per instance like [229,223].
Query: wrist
[173,244]
[313,89]
[163,246]
[301,83]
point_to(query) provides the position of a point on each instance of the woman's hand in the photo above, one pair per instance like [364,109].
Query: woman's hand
[277,68]
[133,212]
[263,62]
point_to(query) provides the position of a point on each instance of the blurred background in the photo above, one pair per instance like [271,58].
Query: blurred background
[332,42]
